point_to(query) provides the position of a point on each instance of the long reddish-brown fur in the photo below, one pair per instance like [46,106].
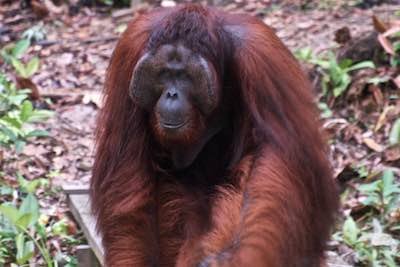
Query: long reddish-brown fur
[261,191]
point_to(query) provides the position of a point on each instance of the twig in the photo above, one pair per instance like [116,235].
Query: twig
[83,41]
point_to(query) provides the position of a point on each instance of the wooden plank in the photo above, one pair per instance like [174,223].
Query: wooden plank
[80,208]
[86,257]
[75,189]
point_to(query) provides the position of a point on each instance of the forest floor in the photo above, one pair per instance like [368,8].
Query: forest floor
[74,52]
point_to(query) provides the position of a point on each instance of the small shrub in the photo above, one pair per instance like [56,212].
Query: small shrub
[17,115]
[335,75]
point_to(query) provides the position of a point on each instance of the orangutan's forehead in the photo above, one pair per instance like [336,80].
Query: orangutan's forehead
[192,28]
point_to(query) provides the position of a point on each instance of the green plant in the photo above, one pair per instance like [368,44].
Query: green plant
[395,59]
[12,54]
[326,112]
[383,194]
[25,70]
[17,115]
[335,75]
[16,50]
[390,42]
[24,232]
[35,33]
[372,237]
[372,246]
[394,136]
[18,223]
[304,54]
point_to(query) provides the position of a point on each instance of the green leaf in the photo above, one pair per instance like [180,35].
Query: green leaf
[108,2]
[5,53]
[389,259]
[342,85]
[370,187]
[30,186]
[13,121]
[37,133]
[40,115]
[9,212]
[325,84]
[19,146]
[345,63]
[32,66]
[33,185]
[377,80]
[41,231]
[304,54]
[22,182]
[6,190]
[25,250]
[26,110]
[19,243]
[371,200]
[336,75]
[389,186]
[19,67]
[17,99]
[30,205]
[8,133]
[20,48]
[29,250]
[394,136]
[346,80]
[326,112]
[361,65]
[335,71]
[350,231]
[321,62]
[23,221]
[60,228]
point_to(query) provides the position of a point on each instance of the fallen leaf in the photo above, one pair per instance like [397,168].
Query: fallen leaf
[26,83]
[392,31]
[373,145]
[84,166]
[377,93]
[382,239]
[386,44]
[394,136]
[72,229]
[305,24]
[379,25]
[392,153]
[168,3]
[94,97]
[382,118]
[53,8]
[397,81]
[39,8]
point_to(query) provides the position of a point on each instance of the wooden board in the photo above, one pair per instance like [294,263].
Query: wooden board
[80,208]
[86,257]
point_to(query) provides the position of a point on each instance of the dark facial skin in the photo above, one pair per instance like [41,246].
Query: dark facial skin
[181,91]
